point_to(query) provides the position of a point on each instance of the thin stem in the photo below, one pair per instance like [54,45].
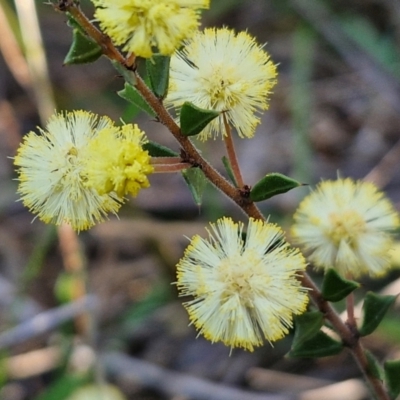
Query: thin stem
[349,337]
[165,160]
[74,263]
[99,37]
[230,150]
[169,168]
[348,334]
[351,321]
[375,384]
[192,154]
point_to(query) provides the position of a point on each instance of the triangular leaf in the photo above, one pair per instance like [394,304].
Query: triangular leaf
[194,119]
[374,309]
[321,345]
[129,93]
[307,325]
[196,181]
[392,374]
[228,168]
[374,368]
[335,287]
[83,49]
[271,185]
[157,150]
[158,72]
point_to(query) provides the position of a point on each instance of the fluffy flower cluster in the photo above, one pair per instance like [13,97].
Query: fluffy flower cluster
[118,162]
[79,168]
[223,71]
[243,290]
[147,26]
[346,225]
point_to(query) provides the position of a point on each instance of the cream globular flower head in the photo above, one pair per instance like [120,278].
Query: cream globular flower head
[142,25]
[117,162]
[54,170]
[347,225]
[223,71]
[243,290]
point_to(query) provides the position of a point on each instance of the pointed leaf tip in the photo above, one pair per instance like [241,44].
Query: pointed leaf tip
[83,50]
[272,185]
[320,345]
[335,287]
[196,182]
[374,309]
[158,71]
[158,150]
[307,325]
[194,119]
[130,94]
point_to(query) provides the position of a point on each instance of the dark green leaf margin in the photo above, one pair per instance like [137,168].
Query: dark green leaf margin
[335,287]
[272,185]
[374,309]
[194,119]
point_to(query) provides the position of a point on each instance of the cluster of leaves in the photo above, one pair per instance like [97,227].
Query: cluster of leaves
[313,336]
[311,339]
[192,119]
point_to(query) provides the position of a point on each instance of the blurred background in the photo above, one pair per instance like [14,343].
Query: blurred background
[100,307]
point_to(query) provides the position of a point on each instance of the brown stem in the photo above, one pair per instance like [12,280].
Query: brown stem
[165,160]
[169,168]
[349,336]
[375,384]
[193,156]
[351,321]
[230,150]
[99,37]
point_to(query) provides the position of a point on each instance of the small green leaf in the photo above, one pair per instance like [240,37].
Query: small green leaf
[83,49]
[228,168]
[392,374]
[335,287]
[320,345]
[374,309]
[129,93]
[196,181]
[271,185]
[157,150]
[307,325]
[63,387]
[158,72]
[374,368]
[194,119]
[126,73]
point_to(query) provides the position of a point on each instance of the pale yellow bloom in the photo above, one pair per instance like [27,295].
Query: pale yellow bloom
[117,162]
[143,25]
[346,224]
[223,71]
[244,290]
[52,171]
[55,168]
